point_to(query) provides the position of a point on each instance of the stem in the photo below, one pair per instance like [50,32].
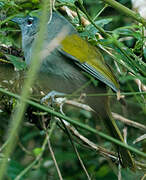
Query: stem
[126,11]
[55,162]
[40,155]
[100,29]
[81,125]
[17,117]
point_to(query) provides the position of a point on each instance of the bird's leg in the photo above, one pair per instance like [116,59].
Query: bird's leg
[51,96]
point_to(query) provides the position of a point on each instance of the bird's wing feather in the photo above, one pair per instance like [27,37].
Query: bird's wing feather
[89,59]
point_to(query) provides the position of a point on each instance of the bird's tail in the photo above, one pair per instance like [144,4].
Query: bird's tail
[125,155]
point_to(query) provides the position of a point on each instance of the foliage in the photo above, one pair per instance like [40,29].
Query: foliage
[123,48]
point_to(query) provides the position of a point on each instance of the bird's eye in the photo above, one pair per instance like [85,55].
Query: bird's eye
[29,21]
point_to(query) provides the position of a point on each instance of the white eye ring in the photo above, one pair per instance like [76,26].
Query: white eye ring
[30,21]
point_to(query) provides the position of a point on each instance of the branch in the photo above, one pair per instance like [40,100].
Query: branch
[128,122]
[76,123]
[126,11]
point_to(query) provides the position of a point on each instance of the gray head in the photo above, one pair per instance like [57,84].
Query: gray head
[30,26]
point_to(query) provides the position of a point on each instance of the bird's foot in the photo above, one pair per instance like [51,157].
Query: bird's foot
[51,97]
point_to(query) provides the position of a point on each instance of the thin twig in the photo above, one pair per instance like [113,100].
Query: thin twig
[129,122]
[86,141]
[119,172]
[72,14]
[108,154]
[25,150]
[141,138]
[77,153]
[125,134]
[22,173]
[92,145]
[51,150]
[55,162]
[143,178]
[77,123]
[140,165]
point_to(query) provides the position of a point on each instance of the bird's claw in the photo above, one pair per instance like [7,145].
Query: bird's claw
[51,96]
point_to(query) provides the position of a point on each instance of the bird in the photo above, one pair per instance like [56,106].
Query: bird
[70,66]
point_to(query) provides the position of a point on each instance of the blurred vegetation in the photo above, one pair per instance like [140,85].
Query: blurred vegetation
[125,52]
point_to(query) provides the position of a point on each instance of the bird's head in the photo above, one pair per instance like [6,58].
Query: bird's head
[28,25]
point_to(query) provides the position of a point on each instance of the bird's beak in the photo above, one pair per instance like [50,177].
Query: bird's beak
[17,20]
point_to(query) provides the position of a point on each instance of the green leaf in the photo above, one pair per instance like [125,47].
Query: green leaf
[17,61]
[91,30]
[37,151]
[128,31]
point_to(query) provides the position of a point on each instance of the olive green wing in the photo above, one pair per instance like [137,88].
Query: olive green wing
[89,59]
